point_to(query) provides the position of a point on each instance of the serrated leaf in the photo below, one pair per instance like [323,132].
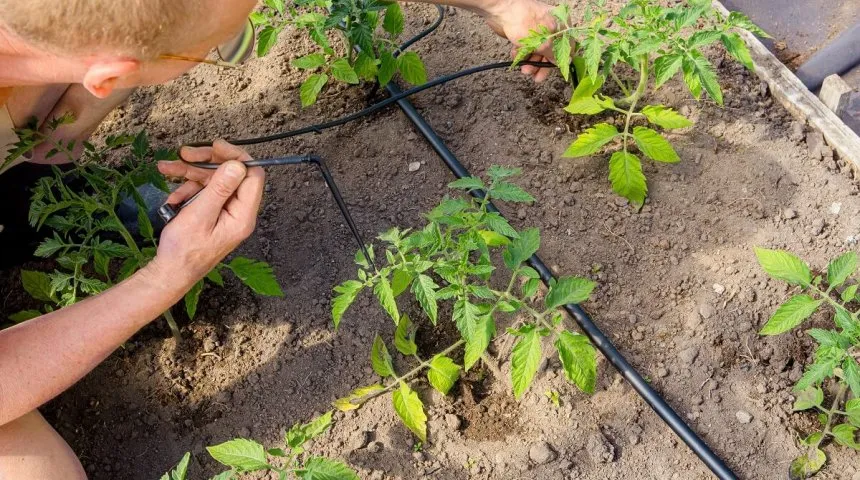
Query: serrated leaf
[525,359]
[404,337]
[385,294]
[380,359]
[851,371]
[702,38]
[589,105]
[807,465]
[591,140]
[49,247]
[665,67]
[569,290]
[738,49]
[561,50]
[467,183]
[849,293]
[400,281]
[809,398]
[841,268]
[311,88]
[500,225]
[785,266]
[412,68]
[266,39]
[342,71]
[814,375]
[625,174]
[320,468]
[314,60]
[498,172]
[257,275]
[365,66]
[241,454]
[579,360]
[509,192]
[825,337]
[790,314]
[192,298]
[476,345]
[180,471]
[226,475]
[347,292]
[522,248]
[530,287]
[465,317]
[38,285]
[410,409]
[665,117]
[393,22]
[493,239]
[845,435]
[443,373]
[696,64]
[387,68]
[424,289]
[654,146]
[852,409]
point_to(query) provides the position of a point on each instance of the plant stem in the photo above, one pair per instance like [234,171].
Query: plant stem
[634,98]
[171,322]
[834,408]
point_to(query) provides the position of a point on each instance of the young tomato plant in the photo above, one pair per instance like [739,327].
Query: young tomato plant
[837,354]
[92,246]
[452,259]
[357,24]
[247,456]
[654,41]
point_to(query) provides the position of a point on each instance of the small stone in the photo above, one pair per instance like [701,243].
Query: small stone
[453,421]
[743,417]
[637,335]
[414,166]
[835,208]
[706,311]
[789,213]
[599,449]
[662,372]
[375,447]
[418,456]
[359,440]
[542,452]
[688,356]
[719,289]
[817,226]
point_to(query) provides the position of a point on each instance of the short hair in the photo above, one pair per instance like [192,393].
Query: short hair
[141,28]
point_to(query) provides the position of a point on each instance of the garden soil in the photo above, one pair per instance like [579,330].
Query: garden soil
[680,292]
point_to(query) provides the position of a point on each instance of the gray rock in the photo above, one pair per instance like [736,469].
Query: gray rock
[414,166]
[688,356]
[359,440]
[789,213]
[706,311]
[743,416]
[815,144]
[375,447]
[542,452]
[599,449]
[453,421]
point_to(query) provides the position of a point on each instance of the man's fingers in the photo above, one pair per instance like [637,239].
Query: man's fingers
[244,206]
[222,186]
[223,151]
[184,192]
[196,154]
[183,170]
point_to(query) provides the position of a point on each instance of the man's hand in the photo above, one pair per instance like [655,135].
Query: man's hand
[513,19]
[218,220]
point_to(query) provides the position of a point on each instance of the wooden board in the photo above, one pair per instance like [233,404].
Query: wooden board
[797,99]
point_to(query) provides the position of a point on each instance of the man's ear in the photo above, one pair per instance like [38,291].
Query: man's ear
[102,76]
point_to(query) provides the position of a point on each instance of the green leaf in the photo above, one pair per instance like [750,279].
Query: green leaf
[790,314]
[49,247]
[215,277]
[702,38]
[852,408]
[696,64]
[561,51]
[493,239]
[814,375]
[412,68]
[192,298]
[589,106]
[308,62]
[825,337]
[740,20]
[277,5]
[841,268]
[665,117]
[591,140]
[410,409]
[385,294]
[241,454]
[569,290]
[387,68]
[226,475]
[522,248]
[625,173]
[257,275]
[180,471]
[579,360]
[424,289]
[845,435]
[809,398]
[500,225]
[400,281]
[477,343]
[38,285]
[468,184]
[342,71]
[393,22]
[320,468]
[849,293]
[380,359]
[807,465]
[525,359]
[347,291]
[785,266]
[365,66]
[509,192]
[465,317]
[665,67]
[24,315]
[266,39]
[443,373]
[404,337]
[530,287]
[311,88]
[851,371]
[654,146]
[257,18]
[738,49]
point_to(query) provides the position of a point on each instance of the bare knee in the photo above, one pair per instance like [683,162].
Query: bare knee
[30,448]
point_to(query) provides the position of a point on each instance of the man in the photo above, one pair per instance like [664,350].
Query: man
[82,56]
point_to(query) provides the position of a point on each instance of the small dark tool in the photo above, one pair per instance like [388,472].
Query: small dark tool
[167,211]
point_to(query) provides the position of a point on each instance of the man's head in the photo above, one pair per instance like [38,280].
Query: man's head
[107,44]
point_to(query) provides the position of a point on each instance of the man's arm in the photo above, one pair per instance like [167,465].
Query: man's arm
[42,357]
[513,19]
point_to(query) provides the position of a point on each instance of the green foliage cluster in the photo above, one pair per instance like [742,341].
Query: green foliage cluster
[656,42]
[836,358]
[452,259]
[92,247]
[290,461]
[370,25]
